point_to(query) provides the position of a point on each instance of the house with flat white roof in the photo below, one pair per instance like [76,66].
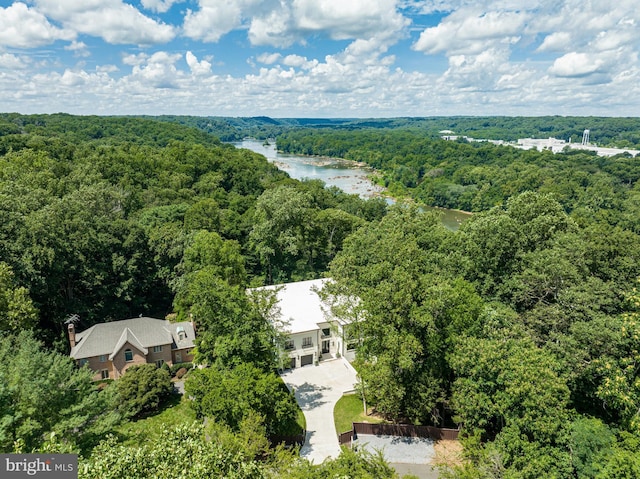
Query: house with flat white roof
[313,333]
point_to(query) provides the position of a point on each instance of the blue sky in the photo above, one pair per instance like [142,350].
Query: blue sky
[320,58]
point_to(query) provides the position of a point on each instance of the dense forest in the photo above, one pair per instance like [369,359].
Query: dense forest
[522,327]
[111,218]
[97,214]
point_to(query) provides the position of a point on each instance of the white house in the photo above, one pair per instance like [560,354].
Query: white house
[314,334]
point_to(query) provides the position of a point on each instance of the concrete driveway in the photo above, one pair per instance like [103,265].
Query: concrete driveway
[407,455]
[317,389]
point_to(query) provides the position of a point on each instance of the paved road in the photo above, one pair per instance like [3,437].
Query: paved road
[317,389]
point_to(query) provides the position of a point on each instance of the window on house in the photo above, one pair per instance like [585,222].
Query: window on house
[326,332]
[104,374]
[178,357]
[307,342]
[128,355]
[83,362]
[159,363]
[289,344]
[103,358]
[157,349]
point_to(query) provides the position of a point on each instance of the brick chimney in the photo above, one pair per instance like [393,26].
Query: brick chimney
[72,334]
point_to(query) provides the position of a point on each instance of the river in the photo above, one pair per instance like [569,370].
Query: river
[346,175]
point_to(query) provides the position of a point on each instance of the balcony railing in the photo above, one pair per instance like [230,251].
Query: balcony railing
[307,345]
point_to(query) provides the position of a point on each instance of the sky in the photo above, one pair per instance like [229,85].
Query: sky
[321,58]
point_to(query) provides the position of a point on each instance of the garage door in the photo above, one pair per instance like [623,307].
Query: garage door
[304,360]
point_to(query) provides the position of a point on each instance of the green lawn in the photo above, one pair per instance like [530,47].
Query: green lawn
[176,412]
[301,420]
[348,410]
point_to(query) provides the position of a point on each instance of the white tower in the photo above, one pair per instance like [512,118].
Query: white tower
[585,137]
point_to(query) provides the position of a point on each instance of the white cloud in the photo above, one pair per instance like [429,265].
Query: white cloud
[134,59]
[268,58]
[157,71]
[24,27]
[341,19]
[575,65]
[275,28]
[213,19]
[78,48]
[107,68]
[113,20]
[550,57]
[471,33]
[10,61]
[281,23]
[426,7]
[624,36]
[159,5]
[476,72]
[298,61]
[198,68]
[556,41]
[73,79]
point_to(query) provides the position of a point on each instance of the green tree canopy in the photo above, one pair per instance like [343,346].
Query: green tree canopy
[43,392]
[230,396]
[143,389]
[17,311]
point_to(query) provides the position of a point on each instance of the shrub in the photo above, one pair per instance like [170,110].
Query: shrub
[143,389]
[229,396]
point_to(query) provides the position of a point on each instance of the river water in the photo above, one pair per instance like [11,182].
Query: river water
[346,175]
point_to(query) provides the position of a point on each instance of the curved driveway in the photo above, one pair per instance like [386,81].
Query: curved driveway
[317,389]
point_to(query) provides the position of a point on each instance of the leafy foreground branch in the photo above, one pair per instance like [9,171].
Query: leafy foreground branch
[183,452]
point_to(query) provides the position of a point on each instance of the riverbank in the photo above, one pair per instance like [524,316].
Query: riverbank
[350,176]
[376,178]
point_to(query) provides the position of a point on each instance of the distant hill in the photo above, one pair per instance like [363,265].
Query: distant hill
[604,131]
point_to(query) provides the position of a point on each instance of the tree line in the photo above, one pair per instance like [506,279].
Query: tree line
[605,131]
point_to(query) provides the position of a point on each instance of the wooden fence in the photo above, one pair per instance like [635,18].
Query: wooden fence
[403,430]
[345,438]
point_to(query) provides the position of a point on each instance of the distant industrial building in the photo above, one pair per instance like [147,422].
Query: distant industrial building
[549,144]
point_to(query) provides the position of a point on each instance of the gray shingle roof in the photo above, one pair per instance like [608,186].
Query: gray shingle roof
[143,333]
[127,336]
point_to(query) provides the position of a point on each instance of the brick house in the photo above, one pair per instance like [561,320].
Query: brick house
[109,349]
